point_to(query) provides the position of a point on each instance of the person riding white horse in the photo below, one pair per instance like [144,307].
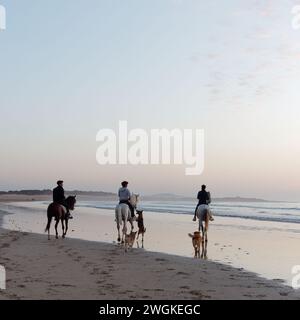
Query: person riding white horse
[125,196]
[204,200]
[204,215]
[125,209]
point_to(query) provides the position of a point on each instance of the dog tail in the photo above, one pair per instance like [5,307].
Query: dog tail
[190,235]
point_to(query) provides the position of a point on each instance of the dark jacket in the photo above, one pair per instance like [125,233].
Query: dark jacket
[59,195]
[203,197]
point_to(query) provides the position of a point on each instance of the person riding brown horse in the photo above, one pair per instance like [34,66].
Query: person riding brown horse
[59,209]
[59,197]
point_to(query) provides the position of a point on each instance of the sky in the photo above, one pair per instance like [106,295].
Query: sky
[71,68]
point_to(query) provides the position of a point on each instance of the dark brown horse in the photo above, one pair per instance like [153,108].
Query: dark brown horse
[60,214]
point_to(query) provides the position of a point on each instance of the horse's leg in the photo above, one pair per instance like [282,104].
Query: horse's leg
[131,223]
[67,225]
[206,231]
[143,240]
[119,236]
[56,224]
[63,227]
[124,228]
[118,217]
[201,253]
[205,246]
[124,231]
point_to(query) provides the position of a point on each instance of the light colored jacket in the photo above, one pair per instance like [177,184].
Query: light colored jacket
[124,194]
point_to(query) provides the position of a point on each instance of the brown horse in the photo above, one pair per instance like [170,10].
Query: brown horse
[60,214]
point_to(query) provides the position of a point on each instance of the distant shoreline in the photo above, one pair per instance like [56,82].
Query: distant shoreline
[31,195]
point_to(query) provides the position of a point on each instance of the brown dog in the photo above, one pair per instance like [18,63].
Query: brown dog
[141,226]
[197,241]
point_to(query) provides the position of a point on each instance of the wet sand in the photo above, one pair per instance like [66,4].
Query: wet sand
[76,269]
[269,249]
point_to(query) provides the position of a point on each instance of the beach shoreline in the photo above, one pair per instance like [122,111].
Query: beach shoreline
[78,269]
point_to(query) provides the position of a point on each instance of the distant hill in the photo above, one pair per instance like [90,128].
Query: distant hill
[176,197]
[240,199]
[154,197]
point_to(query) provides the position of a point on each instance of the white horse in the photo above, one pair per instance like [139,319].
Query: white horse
[123,215]
[203,214]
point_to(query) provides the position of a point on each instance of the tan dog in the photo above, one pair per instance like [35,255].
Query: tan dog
[197,241]
[129,240]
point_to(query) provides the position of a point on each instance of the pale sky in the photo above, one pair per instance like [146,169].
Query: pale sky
[70,68]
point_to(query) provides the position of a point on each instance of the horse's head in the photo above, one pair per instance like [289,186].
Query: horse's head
[134,199]
[139,212]
[70,201]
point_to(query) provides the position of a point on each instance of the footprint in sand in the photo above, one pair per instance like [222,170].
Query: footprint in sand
[160,259]
[180,273]
[284,294]
[199,294]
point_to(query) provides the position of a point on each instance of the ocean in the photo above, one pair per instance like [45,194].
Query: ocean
[264,211]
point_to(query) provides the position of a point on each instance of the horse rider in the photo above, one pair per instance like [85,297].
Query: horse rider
[124,197]
[59,197]
[203,198]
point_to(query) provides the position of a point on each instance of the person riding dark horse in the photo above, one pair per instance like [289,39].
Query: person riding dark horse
[59,197]
[124,196]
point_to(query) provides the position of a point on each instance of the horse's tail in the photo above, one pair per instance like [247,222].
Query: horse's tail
[48,226]
[49,219]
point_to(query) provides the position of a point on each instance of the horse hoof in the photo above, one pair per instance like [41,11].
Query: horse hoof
[63,237]
[119,239]
[56,237]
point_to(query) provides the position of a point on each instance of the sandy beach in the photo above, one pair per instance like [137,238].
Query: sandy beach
[77,269]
